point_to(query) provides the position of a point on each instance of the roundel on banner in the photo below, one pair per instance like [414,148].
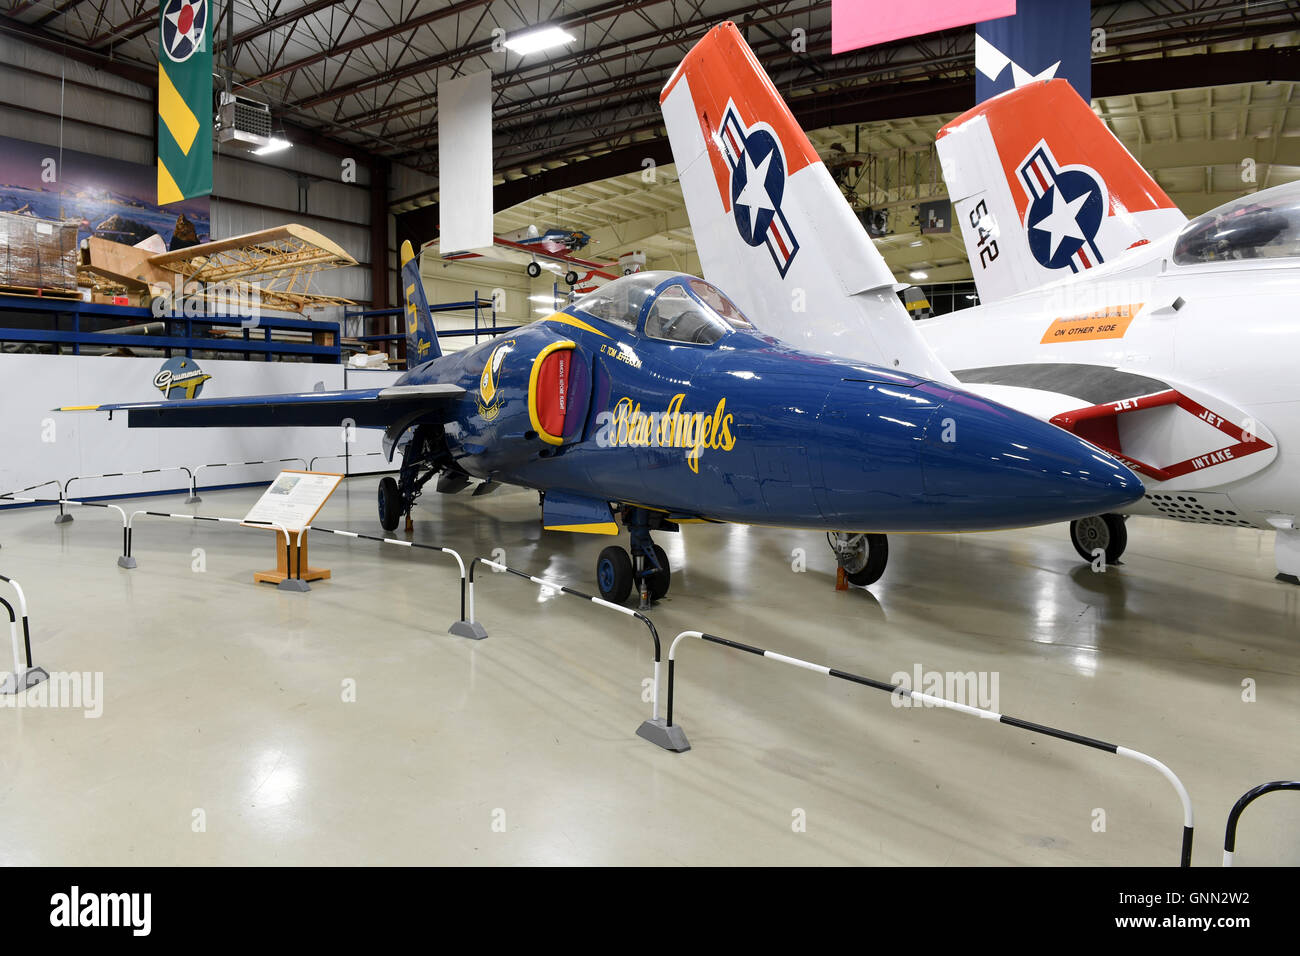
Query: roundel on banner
[184,23]
[757,185]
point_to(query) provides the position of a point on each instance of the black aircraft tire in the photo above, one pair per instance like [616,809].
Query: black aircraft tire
[533,270]
[1107,532]
[390,504]
[877,558]
[571,278]
[614,574]
[658,582]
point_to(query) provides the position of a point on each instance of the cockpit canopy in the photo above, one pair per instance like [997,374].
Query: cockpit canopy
[669,306]
[1263,225]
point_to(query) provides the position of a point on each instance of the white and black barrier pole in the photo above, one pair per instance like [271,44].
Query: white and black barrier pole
[194,478]
[398,542]
[10,494]
[13,496]
[25,674]
[1247,798]
[655,729]
[1186,853]
[291,583]
[63,517]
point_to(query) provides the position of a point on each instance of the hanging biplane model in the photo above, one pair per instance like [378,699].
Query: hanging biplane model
[272,267]
[552,250]
[655,401]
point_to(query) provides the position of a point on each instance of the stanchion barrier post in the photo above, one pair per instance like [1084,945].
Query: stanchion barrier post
[53,481]
[295,583]
[194,483]
[369,454]
[1247,798]
[24,674]
[82,504]
[1185,856]
[63,517]
[415,545]
[655,730]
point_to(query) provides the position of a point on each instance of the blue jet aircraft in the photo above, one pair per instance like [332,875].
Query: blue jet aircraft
[653,400]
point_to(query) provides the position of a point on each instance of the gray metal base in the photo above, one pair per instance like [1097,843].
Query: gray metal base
[1288,578]
[470,629]
[17,683]
[660,734]
[63,518]
[193,500]
[294,584]
[126,561]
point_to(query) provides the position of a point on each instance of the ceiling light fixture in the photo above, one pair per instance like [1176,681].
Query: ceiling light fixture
[919,275]
[535,41]
[274,145]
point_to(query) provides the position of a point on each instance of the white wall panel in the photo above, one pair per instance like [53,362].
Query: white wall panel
[87,443]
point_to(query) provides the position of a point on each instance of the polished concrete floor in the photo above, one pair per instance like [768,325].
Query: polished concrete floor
[241,724]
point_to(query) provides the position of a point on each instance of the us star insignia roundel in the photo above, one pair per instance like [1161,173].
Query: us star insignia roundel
[184,28]
[1066,209]
[758,176]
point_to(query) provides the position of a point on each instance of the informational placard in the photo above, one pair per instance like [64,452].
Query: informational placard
[293,500]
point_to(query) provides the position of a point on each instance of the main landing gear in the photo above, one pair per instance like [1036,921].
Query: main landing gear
[422,459]
[1106,533]
[862,556]
[646,569]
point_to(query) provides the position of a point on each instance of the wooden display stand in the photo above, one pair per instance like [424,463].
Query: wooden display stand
[292,502]
[300,562]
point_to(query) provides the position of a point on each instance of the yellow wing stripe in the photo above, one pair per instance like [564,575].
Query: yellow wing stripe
[77,408]
[599,527]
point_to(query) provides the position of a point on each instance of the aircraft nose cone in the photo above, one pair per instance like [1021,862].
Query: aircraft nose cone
[988,458]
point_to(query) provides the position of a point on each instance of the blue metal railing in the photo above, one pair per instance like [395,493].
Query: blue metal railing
[73,324]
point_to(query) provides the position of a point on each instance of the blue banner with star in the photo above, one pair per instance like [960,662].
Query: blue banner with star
[184,100]
[1046,39]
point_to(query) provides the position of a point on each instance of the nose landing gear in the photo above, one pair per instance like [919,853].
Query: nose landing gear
[645,569]
[422,459]
[862,556]
[1105,533]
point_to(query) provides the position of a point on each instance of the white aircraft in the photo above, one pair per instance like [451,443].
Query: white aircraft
[1168,343]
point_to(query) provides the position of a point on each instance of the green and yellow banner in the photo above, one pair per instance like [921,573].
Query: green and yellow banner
[184,100]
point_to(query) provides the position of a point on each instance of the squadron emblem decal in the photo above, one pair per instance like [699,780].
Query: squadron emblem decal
[489,393]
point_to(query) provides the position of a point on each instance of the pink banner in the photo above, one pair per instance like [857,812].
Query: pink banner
[859,23]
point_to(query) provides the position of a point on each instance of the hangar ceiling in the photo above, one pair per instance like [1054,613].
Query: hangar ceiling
[1193,141]
[363,74]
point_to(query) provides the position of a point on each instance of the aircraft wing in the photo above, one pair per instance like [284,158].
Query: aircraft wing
[364,407]
[268,252]
[280,261]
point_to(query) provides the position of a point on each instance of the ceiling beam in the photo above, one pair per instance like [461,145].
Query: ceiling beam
[368,39]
